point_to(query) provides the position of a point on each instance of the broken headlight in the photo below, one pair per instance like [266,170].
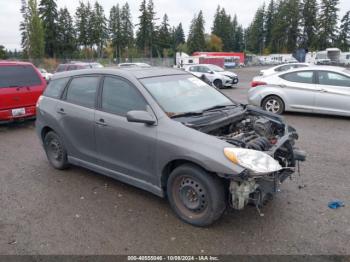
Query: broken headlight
[256,161]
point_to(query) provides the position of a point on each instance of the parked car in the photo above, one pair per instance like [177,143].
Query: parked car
[318,89]
[217,75]
[282,68]
[47,76]
[143,65]
[21,84]
[167,132]
[77,66]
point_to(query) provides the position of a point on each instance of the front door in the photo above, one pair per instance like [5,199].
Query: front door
[123,147]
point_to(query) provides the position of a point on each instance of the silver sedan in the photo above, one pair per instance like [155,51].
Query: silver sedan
[319,89]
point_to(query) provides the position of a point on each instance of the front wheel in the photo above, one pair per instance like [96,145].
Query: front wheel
[273,104]
[218,83]
[196,196]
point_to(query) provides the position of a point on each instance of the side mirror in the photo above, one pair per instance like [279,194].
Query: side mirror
[211,72]
[140,117]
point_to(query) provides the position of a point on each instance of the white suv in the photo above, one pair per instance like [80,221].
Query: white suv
[215,74]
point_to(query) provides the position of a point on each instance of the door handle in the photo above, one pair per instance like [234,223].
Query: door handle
[283,86]
[324,91]
[61,111]
[101,122]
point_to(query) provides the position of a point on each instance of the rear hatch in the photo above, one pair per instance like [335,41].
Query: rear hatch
[20,86]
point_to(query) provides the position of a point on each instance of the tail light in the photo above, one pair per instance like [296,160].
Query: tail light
[258,83]
[38,102]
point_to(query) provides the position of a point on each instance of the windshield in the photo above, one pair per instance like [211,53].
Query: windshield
[179,94]
[215,68]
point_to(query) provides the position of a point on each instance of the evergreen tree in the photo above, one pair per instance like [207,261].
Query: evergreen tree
[49,16]
[269,22]
[255,38]
[327,24]
[127,28]
[98,27]
[35,31]
[224,28]
[196,38]
[145,34]
[66,39]
[3,52]
[23,27]
[344,35]
[309,24]
[293,33]
[82,17]
[115,30]
[179,35]
[239,39]
[164,36]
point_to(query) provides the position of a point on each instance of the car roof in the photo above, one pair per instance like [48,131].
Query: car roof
[5,62]
[133,72]
[317,68]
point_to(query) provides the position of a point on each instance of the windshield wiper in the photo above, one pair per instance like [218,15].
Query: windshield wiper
[217,107]
[186,114]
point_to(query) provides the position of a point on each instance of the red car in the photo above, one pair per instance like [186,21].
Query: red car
[21,84]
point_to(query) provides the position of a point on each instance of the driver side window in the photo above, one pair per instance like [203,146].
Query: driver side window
[120,97]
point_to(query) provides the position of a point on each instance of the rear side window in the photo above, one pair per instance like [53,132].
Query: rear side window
[72,67]
[82,91]
[120,97]
[56,87]
[17,76]
[333,79]
[299,77]
[61,68]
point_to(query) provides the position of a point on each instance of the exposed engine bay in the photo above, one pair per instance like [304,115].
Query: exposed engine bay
[264,132]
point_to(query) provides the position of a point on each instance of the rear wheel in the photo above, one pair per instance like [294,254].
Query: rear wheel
[197,197]
[273,104]
[218,83]
[55,151]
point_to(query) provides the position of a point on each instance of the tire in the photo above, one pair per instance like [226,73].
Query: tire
[218,83]
[195,196]
[55,151]
[273,104]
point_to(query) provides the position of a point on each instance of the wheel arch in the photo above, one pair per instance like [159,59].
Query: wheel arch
[173,164]
[272,95]
[44,132]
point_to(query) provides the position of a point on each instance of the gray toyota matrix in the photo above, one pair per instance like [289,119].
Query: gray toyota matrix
[167,132]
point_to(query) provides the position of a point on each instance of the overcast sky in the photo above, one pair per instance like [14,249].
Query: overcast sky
[177,10]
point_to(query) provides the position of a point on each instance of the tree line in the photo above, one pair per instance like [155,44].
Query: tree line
[285,25]
[281,26]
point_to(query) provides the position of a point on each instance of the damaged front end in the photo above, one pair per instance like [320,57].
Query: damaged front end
[264,145]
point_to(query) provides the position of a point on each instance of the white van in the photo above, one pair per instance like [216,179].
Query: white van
[345,59]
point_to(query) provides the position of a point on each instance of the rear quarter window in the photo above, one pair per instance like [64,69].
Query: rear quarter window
[18,76]
[56,87]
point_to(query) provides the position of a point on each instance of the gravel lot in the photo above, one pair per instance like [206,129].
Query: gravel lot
[44,211]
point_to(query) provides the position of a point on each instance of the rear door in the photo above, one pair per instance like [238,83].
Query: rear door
[333,95]
[300,89]
[20,86]
[75,115]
